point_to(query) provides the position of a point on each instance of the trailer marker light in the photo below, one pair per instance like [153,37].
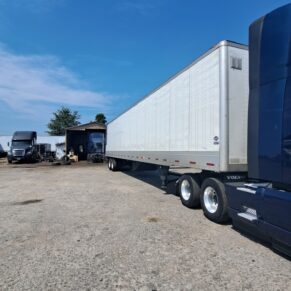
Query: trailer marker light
[177,161]
[210,164]
[193,163]
[157,159]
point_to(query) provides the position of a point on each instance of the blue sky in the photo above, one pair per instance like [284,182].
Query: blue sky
[103,55]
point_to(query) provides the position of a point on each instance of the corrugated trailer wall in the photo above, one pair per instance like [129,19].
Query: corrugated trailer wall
[180,123]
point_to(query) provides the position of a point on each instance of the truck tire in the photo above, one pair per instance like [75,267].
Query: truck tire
[9,161]
[189,190]
[213,200]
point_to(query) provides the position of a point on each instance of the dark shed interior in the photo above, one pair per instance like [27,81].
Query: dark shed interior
[86,139]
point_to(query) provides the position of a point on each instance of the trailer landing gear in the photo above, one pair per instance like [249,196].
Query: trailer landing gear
[164,172]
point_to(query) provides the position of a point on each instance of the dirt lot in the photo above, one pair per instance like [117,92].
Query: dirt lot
[81,227]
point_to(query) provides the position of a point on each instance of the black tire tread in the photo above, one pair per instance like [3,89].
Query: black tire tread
[194,201]
[114,165]
[221,215]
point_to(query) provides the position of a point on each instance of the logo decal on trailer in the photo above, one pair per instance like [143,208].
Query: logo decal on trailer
[216,140]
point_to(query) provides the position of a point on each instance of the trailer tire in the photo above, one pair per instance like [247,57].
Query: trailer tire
[114,165]
[189,190]
[110,164]
[213,200]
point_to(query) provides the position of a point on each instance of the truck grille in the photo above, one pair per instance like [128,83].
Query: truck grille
[18,153]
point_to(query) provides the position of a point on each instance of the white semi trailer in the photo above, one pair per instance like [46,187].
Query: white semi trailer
[201,118]
[197,119]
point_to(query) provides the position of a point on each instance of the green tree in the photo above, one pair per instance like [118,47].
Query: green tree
[63,118]
[100,118]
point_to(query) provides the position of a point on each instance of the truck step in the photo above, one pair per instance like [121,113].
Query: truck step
[248,216]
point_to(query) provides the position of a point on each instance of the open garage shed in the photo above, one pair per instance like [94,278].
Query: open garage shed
[86,140]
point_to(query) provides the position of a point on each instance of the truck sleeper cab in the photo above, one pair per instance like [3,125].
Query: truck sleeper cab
[262,205]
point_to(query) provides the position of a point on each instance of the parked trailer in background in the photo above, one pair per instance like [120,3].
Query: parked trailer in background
[196,119]
[199,119]
[2,152]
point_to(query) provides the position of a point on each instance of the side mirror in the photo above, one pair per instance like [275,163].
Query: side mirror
[8,144]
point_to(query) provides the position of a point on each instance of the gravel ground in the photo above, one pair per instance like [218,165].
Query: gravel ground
[82,227]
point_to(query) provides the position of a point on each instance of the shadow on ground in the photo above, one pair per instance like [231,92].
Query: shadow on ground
[26,202]
[152,177]
[258,240]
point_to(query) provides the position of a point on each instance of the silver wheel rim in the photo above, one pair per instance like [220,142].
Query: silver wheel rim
[210,199]
[185,190]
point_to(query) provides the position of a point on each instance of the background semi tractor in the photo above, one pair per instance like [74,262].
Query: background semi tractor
[228,117]
[23,147]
